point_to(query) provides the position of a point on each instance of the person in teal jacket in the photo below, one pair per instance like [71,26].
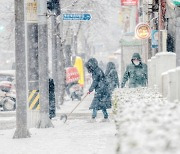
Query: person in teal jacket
[136,73]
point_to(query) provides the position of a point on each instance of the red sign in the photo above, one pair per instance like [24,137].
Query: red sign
[128,2]
[72,74]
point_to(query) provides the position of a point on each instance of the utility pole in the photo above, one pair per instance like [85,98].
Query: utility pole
[75,44]
[32,45]
[177,36]
[160,28]
[21,78]
[122,60]
[60,57]
[32,59]
[61,66]
[68,55]
[54,7]
[44,121]
[54,55]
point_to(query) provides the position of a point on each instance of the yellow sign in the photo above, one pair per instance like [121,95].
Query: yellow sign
[31,11]
[142,31]
[79,65]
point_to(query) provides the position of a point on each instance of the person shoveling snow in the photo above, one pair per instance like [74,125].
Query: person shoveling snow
[102,97]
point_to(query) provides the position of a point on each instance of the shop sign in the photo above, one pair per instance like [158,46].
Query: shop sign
[154,38]
[128,2]
[142,31]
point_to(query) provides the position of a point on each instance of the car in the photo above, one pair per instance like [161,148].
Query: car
[7,90]
[7,75]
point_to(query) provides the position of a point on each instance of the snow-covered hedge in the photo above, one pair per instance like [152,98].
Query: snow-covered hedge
[146,122]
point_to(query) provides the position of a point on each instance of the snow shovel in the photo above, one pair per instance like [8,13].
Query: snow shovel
[65,116]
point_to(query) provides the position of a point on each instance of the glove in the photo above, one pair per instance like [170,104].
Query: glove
[88,92]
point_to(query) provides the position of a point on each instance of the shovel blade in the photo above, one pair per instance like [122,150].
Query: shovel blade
[63,117]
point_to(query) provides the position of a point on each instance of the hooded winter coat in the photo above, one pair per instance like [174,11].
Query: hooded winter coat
[136,74]
[111,76]
[101,98]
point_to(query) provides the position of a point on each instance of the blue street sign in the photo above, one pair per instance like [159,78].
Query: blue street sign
[76,16]
[154,39]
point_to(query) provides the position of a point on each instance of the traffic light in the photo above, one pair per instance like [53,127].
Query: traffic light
[53,5]
[50,5]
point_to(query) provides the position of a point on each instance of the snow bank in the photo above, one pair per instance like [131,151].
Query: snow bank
[147,123]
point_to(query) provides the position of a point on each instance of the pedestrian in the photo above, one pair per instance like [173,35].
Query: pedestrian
[52,106]
[112,76]
[101,100]
[73,90]
[136,73]
[102,65]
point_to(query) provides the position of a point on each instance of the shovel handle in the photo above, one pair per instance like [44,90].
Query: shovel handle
[77,105]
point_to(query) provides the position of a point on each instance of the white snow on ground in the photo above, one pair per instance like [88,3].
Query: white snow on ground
[73,137]
[147,123]
[7,122]
[4,119]
[76,136]
[82,108]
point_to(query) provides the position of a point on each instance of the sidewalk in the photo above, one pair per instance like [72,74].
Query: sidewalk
[81,110]
[76,136]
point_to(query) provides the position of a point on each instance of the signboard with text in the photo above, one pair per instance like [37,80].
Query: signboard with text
[84,16]
[31,11]
[72,75]
[128,2]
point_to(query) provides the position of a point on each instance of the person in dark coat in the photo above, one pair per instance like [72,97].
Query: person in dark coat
[112,76]
[52,106]
[102,65]
[101,100]
[136,73]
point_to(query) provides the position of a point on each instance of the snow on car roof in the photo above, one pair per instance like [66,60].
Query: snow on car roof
[7,72]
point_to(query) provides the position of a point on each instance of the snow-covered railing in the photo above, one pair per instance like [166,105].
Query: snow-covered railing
[164,74]
[171,86]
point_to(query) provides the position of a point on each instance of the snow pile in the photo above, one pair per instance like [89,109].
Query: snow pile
[147,123]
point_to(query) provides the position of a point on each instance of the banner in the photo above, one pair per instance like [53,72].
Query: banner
[154,39]
[31,11]
[128,2]
[72,75]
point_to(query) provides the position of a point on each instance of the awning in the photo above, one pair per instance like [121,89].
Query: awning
[176,2]
[134,42]
[173,3]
